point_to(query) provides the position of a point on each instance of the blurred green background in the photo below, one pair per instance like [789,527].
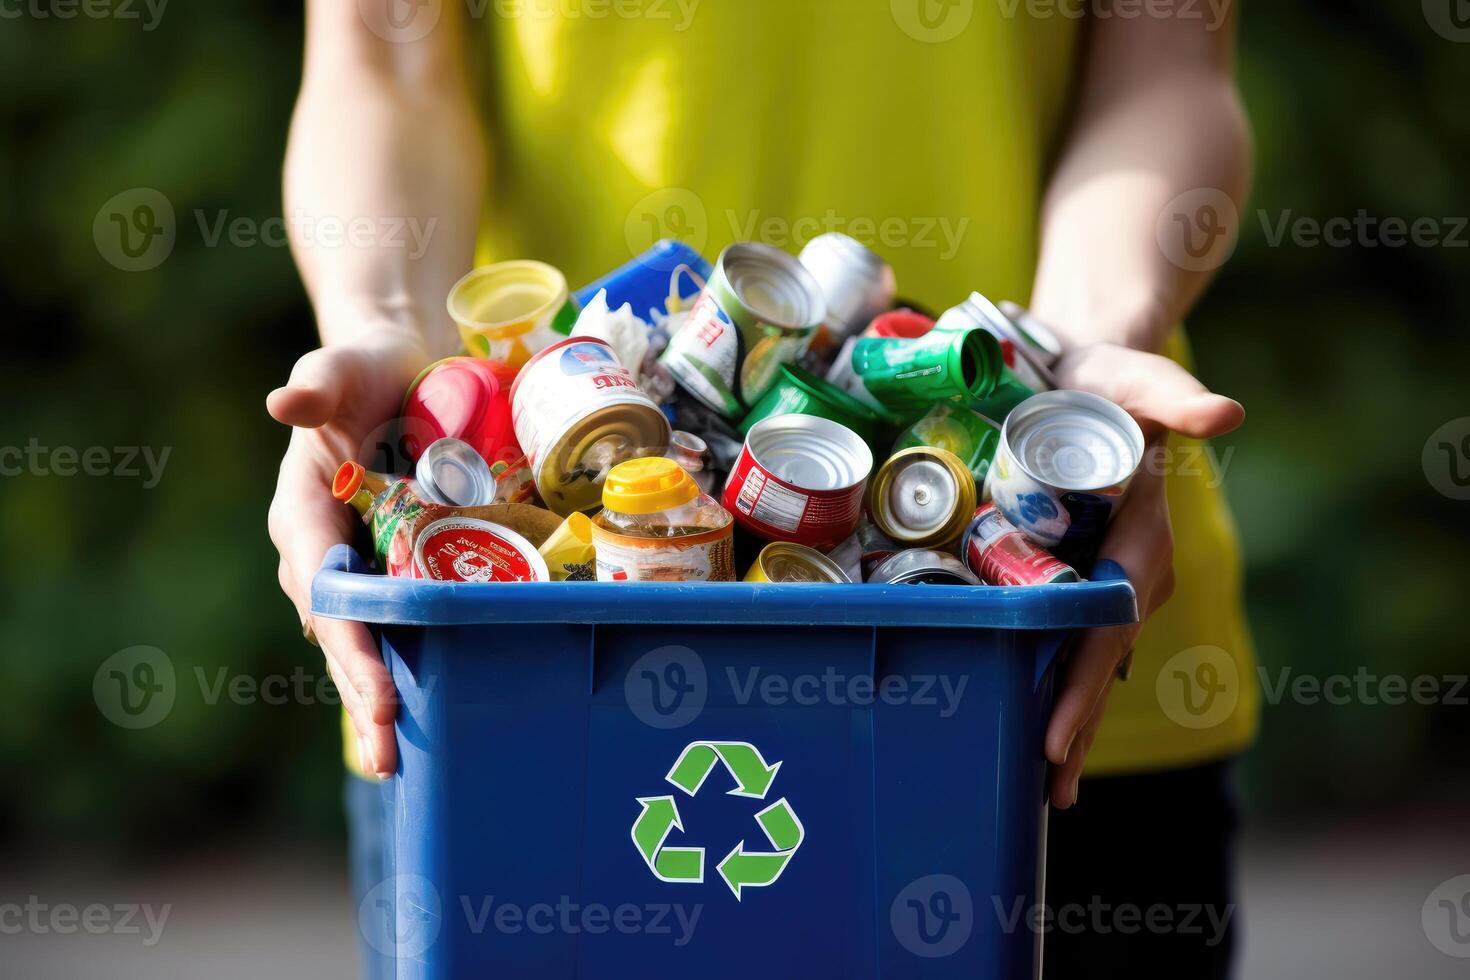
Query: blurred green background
[1346,358]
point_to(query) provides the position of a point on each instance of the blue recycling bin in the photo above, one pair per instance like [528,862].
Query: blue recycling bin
[716,781]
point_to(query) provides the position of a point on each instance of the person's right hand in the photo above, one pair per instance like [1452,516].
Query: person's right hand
[336,397]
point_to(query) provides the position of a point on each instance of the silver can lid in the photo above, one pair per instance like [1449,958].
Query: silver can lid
[451,472]
[773,285]
[810,452]
[1074,440]
[920,566]
[921,495]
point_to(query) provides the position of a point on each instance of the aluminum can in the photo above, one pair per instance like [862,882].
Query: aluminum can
[909,376]
[874,547]
[451,472]
[1032,335]
[856,284]
[968,434]
[1036,348]
[922,497]
[919,566]
[904,323]
[782,561]
[459,549]
[799,478]
[799,392]
[758,312]
[1065,460]
[999,554]
[578,412]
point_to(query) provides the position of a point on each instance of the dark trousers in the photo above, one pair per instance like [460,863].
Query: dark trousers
[1140,878]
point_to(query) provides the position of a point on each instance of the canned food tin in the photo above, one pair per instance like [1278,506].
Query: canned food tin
[505,311]
[799,392]
[577,412]
[911,375]
[799,478]
[855,282]
[1064,463]
[919,566]
[968,434]
[451,472]
[459,549]
[905,323]
[922,497]
[782,561]
[999,554]
[757,312]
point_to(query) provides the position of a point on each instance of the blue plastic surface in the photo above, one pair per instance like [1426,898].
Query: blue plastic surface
[906,721]
[644,282]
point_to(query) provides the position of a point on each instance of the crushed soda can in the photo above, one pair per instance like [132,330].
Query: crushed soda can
[857,286]
[468,398]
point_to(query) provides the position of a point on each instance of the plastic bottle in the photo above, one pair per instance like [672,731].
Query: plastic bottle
[656,526]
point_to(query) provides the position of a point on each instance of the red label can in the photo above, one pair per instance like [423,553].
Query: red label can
[999,554]
[466,550]
[800,478]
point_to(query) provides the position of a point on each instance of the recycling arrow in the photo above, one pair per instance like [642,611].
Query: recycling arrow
[740,868]
[743,760]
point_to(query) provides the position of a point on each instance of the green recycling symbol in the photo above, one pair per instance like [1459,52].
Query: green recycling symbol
[740,868]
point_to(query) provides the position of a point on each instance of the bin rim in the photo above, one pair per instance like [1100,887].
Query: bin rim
[344,588]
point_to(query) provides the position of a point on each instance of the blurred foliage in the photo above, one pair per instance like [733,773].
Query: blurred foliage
[1347,359]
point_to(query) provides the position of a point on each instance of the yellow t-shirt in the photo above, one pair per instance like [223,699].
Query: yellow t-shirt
[920,127]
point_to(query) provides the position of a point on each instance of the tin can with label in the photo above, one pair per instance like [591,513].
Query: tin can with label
[450,472]
[856,284]
[919,566]
[999,554]
[577,412]
[800,478]
[799,392]
[757,312]
[922,497]
[909,376]
[782,561]
[1065,460]
[968,434]
[459,549]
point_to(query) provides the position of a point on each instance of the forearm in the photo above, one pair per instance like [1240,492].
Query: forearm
[383,180]
[1159,117]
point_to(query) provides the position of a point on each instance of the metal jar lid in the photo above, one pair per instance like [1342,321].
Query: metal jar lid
[922,496]
[1074,440]
[920,566]
[451,472]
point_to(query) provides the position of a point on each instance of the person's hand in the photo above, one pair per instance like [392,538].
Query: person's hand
[336,397]
[1162,396]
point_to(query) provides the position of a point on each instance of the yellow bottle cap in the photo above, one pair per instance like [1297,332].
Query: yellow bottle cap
[647,485]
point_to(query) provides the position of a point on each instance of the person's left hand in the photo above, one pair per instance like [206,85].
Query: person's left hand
[1162,396]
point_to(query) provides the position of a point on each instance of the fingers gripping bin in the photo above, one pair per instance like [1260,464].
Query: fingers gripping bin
[609,780]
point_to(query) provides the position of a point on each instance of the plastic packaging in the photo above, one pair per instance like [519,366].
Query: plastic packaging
[656,526]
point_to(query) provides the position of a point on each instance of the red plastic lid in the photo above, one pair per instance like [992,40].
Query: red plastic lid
[904,323]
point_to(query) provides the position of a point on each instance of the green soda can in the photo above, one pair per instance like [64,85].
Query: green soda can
[799,392]
[1009,392]
[909,375]
[968,434]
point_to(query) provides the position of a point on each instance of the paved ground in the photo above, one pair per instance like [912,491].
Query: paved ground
[1345,908]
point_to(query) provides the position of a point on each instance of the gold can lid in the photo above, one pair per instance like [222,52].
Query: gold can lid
[784,561]
[922,496]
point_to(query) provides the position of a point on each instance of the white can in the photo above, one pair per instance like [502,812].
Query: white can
[577,412]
